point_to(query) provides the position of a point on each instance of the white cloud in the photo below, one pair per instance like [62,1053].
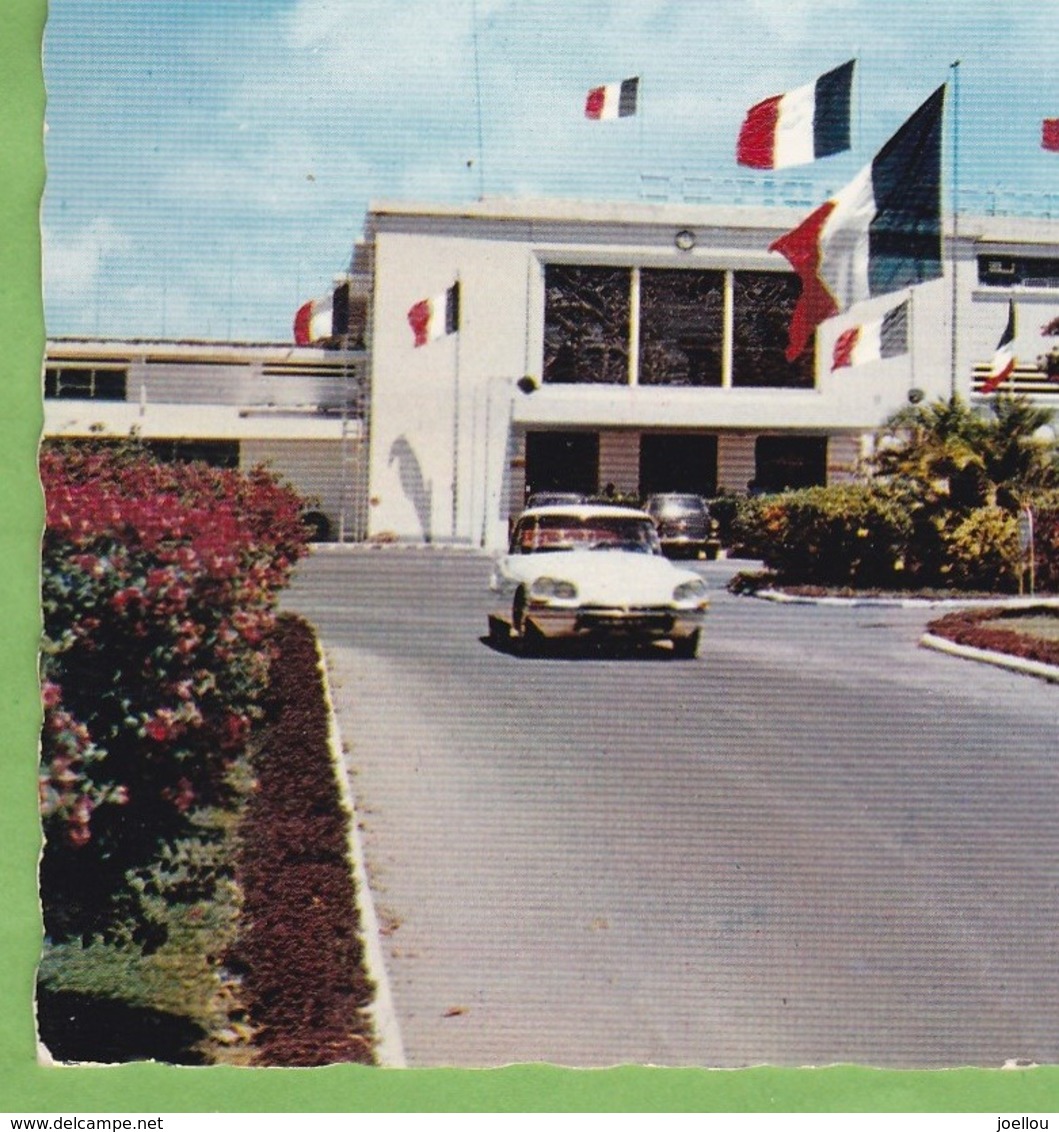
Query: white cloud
[73,261]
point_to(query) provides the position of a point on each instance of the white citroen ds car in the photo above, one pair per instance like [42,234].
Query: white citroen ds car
[595,571]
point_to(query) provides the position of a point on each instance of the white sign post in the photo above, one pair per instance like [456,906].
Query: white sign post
[1026,545]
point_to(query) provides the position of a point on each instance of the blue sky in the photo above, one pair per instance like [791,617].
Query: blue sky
[210,161]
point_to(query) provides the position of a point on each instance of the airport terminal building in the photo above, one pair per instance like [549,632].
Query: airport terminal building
[641,347]
[631,347]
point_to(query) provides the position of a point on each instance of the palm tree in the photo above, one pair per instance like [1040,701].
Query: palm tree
[932,453]
[1019,454]
[951,455]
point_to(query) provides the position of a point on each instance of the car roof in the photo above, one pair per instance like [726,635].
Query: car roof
[587,511]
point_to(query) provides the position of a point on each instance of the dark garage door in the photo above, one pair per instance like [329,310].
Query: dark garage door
[784,462]
[562,461]
[674,461]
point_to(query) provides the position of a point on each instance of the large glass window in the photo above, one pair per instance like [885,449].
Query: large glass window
[586,324]
[764,302]
[681,327]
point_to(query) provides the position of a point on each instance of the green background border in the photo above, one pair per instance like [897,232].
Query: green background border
[25,1086]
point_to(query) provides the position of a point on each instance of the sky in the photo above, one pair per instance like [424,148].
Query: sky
[210,162]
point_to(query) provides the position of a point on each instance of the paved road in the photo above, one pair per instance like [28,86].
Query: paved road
[817,843]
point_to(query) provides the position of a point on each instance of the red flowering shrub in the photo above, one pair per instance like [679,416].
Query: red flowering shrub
[159,586]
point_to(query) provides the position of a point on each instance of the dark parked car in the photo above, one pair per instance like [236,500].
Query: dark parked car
[684,525]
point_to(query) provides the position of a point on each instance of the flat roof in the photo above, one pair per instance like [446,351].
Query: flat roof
[999,229]
[187,349]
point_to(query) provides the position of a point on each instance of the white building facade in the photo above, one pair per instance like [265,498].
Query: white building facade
[640,347]
[300,411]
[601,348]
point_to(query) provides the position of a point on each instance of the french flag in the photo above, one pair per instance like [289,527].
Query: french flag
[613,100]
[321,319]
[1004,359]
[880,233]
[1050,134]
[435,317]
[885,337]
[800,126]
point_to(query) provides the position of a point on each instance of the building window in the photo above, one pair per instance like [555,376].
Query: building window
[763,304]
[84,383]
[1018,271]
[681,327]
[586,324]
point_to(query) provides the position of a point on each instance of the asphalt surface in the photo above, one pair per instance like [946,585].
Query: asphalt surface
[817,843]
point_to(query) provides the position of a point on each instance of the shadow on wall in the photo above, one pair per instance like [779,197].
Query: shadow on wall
[416,488]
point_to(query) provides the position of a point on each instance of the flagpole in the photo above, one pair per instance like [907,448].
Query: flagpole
[912,343]
[478,100]
[456,418]
[955,68]
[1014,360]
[860,101]
[641,107]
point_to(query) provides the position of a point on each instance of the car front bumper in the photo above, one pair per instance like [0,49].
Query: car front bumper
[684,542]
[645,622]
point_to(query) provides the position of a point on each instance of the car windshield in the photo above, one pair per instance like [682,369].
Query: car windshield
[547,533]
[551,498]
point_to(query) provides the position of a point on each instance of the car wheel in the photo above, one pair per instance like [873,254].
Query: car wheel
[319,526]
[530,638]
[686,648]
[499,632]
[533,641]
[518,611]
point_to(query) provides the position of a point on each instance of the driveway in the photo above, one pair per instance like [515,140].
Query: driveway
[817,843]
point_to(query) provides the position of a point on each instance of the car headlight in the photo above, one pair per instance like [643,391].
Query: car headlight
[545,589]
[693,590]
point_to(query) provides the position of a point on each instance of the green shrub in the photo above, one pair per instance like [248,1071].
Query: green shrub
[847,534]
[723,511]
[982,550]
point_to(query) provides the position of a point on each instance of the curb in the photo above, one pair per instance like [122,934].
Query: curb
[782,598]
[1042,671]
[389,1048]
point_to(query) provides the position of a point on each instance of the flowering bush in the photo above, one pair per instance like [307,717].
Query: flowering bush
[159,585]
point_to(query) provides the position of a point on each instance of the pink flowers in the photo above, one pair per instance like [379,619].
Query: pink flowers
[159,588]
